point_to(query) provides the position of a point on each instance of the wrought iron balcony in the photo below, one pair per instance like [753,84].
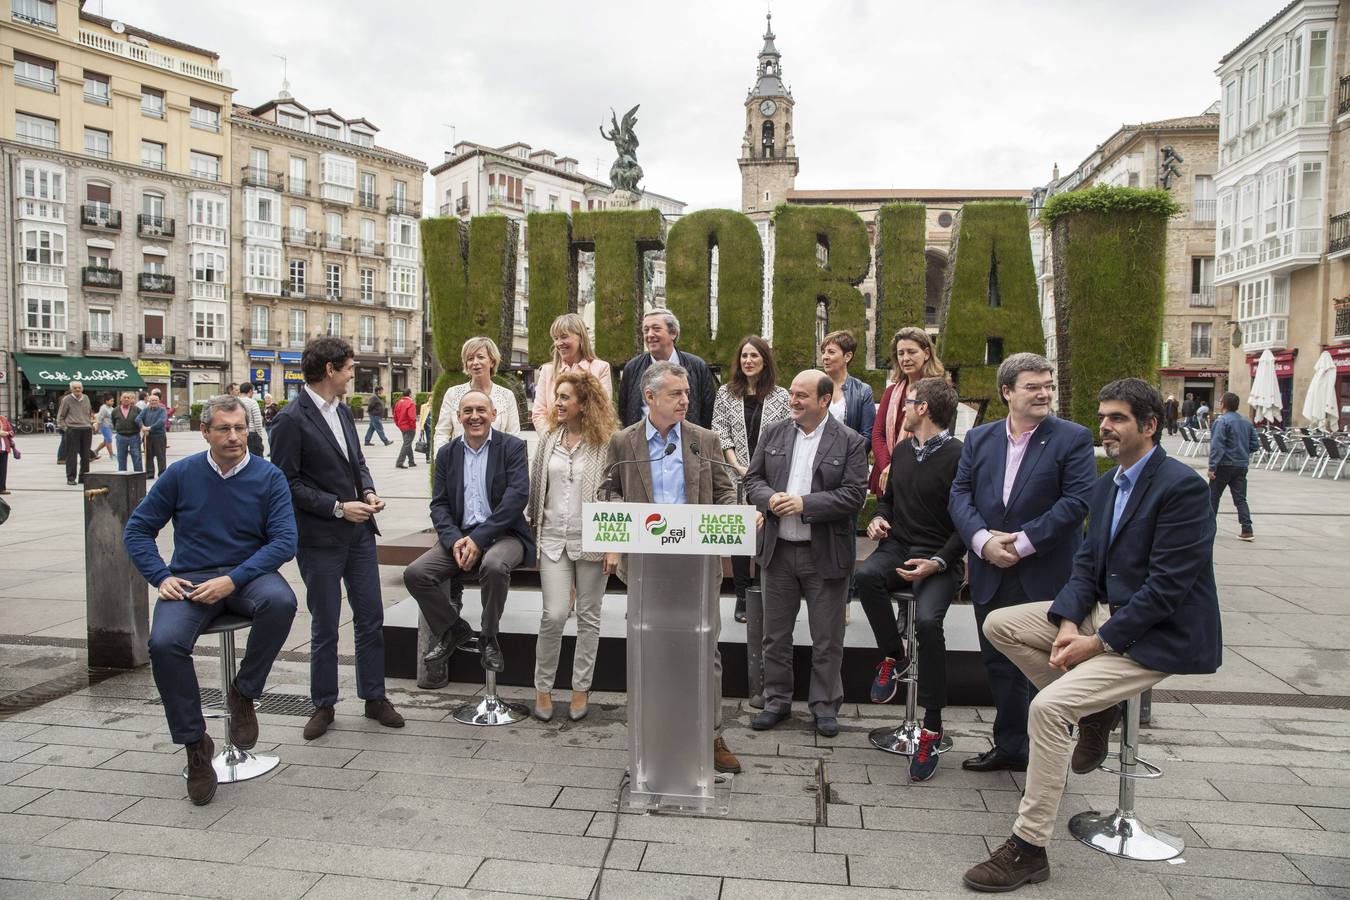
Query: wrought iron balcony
[369,248]
[102,342]
[251,177]
[157,346]
[101,216]
[100,279]
[1203,210]
[1343,96]
[367,201]
[462,206]
[300,237]
[401,349]
[259,337]
[154,226]
[155,283]
[1338,236]
[403,206]
[1204,297]
[297,186]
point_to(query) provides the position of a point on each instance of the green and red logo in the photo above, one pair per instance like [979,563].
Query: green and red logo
[656,524]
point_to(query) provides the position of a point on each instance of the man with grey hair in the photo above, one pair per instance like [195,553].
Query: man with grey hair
[75,417]
[1019,498]
[660,330]
[684,474]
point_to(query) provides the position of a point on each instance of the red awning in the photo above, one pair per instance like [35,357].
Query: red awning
[1340,355]
[1194,373]
[1284,363]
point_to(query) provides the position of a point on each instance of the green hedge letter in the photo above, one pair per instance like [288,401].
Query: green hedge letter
[553,278]
[740,281]
[619,238]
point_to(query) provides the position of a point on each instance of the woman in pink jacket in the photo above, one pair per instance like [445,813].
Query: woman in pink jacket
[571,351]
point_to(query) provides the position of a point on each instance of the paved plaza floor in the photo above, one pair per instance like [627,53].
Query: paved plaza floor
[92,803]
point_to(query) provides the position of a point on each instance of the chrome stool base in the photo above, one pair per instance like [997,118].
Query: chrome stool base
[903,740]
[233,765]
[491,709]
[1125,836]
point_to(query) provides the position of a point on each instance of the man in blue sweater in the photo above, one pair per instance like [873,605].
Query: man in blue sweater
[233,528]
[1232,441]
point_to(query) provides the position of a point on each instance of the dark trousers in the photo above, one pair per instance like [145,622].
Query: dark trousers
[325,570]
[1235,479]
[876,578]
[1011,689]
[255,444]
[268,600]
[156,454]
[376,426]
[407,449]
[427,574]
[78,451]
[789,577]
[740,575]
[4,470]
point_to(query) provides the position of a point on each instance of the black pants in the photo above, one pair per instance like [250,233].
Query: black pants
[78,450]
[255,443]
[407,449]
[1235,479]
[156,454]
[740,575]
[4,469]
[876,578]
[1011,689]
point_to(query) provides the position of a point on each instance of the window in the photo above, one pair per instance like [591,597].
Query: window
[403,287]
[258,161]
[1202,198]
[262,269]
[98,143]
[43,246]
[1277,74]
[152,205]
[332,281]
[333,226]
[367,285]
[1247,211]
[46,310]
[95,88]
[152,102]
[1200,340]
[100,258]
[366,334]
[297,225]
[36,130]
[1270,202]
[208,266]
[152,264]
[100,323]
[208,325]
[296,327]
[398,330]
[261,207]
[298,277]
[205,116]
[35,12]
[1252,92]
[1202,281]
[1290,195]
[333,324]
[290,120]
[368,190]
[1230,110]
[259,320]
[337,177]
[34,72]
[204,165]
[1317,76]
[361,139]
[328,130]
[367,235]
[1226,222]
[152,154]
[299,176]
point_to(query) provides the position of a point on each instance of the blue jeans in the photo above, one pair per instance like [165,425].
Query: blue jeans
[267,599]
[130,443]
[325,571]
[376,426]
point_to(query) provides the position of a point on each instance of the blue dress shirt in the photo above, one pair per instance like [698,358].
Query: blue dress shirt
[1125,482]
[667,471]
[476,507]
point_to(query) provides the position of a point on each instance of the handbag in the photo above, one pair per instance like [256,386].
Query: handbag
[14,449]
[420,447]
[4,511]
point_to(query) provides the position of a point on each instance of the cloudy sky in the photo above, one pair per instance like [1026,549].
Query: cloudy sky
[888,94]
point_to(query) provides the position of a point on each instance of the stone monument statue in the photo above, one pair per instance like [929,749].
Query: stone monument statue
[625,174]
[1170,167]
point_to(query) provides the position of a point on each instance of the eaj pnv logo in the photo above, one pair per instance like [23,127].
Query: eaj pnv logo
[656,524]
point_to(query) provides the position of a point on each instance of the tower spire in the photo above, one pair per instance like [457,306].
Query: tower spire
[769,74]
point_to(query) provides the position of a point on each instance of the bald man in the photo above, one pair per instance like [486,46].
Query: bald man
[809,479]
[478,507]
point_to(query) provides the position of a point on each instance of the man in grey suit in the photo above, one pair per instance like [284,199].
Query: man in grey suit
[809,479]
[683,475]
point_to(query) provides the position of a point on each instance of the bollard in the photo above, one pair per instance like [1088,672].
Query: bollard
[117,598]
[754,645]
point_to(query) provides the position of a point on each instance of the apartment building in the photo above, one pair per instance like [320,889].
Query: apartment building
[114,150]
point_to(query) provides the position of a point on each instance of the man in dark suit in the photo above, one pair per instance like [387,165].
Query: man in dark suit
[1141,605]
[660,330]
[809,479]
[314,444]
[478,502]
[682,476]
[1018,501]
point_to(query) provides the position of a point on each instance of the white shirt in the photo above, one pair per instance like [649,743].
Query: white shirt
[228,473]
[837,406]
[802,465]
[330,415]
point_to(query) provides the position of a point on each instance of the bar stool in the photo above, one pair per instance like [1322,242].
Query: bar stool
[903,739]
[1121,833]
[491,710]
[233,764]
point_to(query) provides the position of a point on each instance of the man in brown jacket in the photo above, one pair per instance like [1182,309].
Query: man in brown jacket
[75,416]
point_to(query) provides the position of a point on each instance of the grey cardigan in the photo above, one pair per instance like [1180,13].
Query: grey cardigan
[592,461]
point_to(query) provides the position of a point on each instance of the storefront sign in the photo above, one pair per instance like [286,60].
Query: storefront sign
[260,374]
[286,356]
[152,369]
[262,354]
[293,376]
[1284,363]
[1341,357]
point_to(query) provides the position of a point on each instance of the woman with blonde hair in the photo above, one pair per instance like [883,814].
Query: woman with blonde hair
[571,352]
[912,360]
[566,472]
[481,358]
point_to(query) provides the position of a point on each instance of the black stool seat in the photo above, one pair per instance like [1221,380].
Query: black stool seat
[227,622]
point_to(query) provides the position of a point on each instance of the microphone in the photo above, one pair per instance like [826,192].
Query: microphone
[666,451]
[736,477]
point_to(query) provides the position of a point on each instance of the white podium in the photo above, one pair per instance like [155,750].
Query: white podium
[674,573]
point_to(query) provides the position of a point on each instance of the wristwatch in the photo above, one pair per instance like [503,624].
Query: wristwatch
[337,510]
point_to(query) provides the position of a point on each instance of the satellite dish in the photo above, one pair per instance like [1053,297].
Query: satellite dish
[118,28]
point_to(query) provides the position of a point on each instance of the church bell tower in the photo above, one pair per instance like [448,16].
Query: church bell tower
[768,154]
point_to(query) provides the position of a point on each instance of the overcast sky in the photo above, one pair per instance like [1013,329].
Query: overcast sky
[888,94]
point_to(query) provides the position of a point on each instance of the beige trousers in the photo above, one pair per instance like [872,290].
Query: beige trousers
[1024,634]
[556,580]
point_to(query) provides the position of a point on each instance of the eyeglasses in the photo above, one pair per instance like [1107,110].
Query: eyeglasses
[911,400]
[1037,388]
[227,429]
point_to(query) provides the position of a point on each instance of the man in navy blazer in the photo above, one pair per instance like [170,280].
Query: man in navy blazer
[1141,605]
[478,507]
[1018,501]
[314,444]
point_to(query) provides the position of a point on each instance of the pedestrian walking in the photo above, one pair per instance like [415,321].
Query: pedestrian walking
[1170,411]
[6,448]
[126,420]
[77,419]
[375,413]
[256,426]
[405,420]
[154,425]
[104,416]
[1232,442]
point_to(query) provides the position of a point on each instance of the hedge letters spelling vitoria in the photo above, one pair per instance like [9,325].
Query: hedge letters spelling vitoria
[471,277]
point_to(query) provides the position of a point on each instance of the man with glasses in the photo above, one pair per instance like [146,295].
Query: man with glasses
[1019,498]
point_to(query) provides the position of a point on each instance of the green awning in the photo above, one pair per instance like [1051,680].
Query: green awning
[92,371]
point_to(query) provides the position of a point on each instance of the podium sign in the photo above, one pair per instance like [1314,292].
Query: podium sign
[668,528]
[674,574]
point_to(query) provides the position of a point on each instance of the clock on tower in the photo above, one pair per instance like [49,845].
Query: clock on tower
[768,155]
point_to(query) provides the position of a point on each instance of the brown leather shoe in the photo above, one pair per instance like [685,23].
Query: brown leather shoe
[723,759]
[1094,733]
[243,721]
[319,722]
[1008,868]
[201,775]
[383,712]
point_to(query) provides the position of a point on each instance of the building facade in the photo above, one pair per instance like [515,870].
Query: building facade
[1283,196]
[1181,156]
[327,243]
[115,148]
[516,180]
